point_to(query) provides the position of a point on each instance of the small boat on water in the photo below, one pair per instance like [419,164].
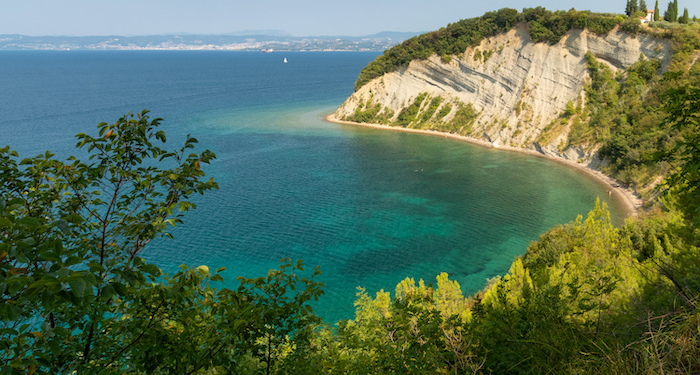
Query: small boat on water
[266,50]
[285,60]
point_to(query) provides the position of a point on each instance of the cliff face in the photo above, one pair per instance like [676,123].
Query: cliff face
[517,89]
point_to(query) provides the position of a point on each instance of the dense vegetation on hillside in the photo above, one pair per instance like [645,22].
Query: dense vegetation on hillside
[625,113]
[586,298]
[544,26]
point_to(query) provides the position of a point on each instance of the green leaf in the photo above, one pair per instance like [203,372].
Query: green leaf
[63,272]
[22,258]
[120,288]
[96,267]
[73,260]
[30,222]
[5,222]
[12,312]
[151,269]
[50,256]
[58,247]
[48,299]
[108,291]
[160,135]
[8,331]
[77,286]
[62,224]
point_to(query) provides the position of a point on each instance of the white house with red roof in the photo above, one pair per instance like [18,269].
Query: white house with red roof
[648,18]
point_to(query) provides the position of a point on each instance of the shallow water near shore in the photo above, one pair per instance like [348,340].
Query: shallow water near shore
[371,207]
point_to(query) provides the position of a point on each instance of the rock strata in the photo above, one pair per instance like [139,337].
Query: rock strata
[508,91]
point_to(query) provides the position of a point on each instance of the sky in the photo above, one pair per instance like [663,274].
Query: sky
[294,17]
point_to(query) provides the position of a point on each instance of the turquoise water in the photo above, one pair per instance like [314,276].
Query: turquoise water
[371,207]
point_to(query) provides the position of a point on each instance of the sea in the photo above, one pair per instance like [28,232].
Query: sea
[371,207]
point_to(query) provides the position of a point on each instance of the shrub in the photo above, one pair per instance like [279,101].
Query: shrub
[631,25]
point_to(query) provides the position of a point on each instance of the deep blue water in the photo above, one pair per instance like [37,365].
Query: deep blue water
[371,207]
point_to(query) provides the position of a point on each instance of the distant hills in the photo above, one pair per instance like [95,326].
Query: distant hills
[230,42]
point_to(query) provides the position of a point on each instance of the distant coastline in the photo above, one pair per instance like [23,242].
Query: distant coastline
[630,201]
[187,42]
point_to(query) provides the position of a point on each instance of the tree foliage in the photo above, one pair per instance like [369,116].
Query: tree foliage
[77,296]
[582,300]
[626,114]
[656,11]
[682,103]
[671,14]
[642,6]
[684,18]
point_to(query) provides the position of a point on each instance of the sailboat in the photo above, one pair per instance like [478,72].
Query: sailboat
[285,60]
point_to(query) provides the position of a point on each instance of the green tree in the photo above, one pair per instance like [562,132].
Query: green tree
[675,8]
[72,233]
[569,110]
[77,296]
[656,11]
[642,6]
[671,14]
[631,25]
[684,18]
[683,107]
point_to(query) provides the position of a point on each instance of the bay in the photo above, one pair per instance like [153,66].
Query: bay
[371,207]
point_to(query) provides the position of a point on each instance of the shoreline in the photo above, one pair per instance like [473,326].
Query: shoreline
[631,202]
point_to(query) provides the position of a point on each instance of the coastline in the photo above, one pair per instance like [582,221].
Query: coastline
[631,202]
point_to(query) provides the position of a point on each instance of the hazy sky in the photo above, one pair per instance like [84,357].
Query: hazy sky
[296,17]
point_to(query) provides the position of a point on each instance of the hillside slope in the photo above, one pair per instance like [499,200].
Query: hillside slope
[508,90]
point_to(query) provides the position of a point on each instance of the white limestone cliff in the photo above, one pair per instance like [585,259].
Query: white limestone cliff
[518,91]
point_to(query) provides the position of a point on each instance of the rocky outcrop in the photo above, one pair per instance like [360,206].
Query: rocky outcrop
[514,89]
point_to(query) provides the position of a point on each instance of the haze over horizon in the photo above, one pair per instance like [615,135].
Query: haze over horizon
[300,18]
